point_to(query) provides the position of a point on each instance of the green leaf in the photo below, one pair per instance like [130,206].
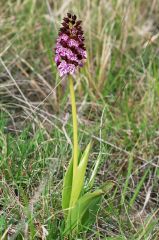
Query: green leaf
[90,213]
[78,182]
[80,214]
[67,187]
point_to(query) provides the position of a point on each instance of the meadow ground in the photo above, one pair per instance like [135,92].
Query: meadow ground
[117,96]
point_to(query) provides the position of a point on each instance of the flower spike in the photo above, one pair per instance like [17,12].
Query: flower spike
[70,52]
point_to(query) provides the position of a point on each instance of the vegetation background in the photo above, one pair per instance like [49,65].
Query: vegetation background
[118,101]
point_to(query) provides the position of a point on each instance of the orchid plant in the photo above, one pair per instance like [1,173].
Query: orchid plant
[79,203]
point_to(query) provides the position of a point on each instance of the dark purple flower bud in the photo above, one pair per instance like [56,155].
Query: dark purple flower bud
[81,45]
[66,20]
[69,15]
[65,25]
[74,17]
[78,23]
[80,32]
[73,22]
[64,43]
[79,56]
[70,52]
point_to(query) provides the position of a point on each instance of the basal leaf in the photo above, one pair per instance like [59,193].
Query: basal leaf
[78,182]
[79,213]
[67,187]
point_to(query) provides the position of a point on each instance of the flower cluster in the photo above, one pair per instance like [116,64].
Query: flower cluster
[70,49]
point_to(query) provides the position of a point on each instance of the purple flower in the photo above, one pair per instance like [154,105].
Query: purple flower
[66,68]
[70,52]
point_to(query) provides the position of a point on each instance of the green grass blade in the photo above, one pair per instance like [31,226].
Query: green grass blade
[138,189]
[130,165]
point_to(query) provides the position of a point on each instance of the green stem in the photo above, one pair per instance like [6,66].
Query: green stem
[75,128]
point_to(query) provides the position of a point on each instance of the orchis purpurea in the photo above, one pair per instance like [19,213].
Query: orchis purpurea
[70,49]
[78,203]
